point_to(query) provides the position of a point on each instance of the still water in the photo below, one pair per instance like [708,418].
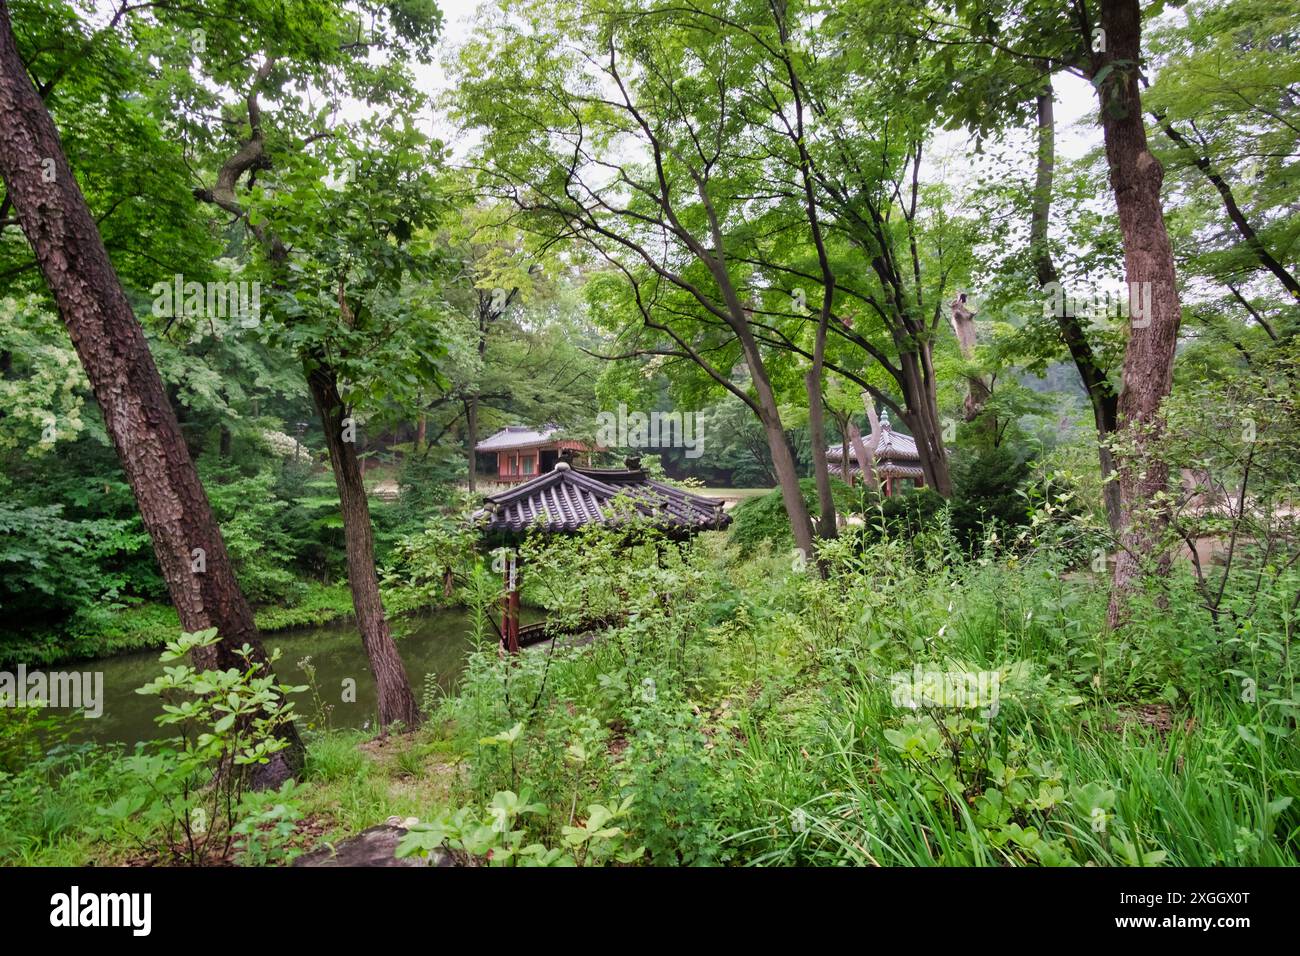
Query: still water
[430,644]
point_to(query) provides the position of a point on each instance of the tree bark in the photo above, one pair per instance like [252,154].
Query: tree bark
[471,438]
[826,526]
[962,320]
[866,451]
[1136,176]
[1101,394]
[787,475]
[131,395]
[921,415]
[396,700]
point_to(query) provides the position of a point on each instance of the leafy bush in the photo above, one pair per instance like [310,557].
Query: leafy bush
[52,568]
[904,515]
[763,519]
[252,523]
[188,792]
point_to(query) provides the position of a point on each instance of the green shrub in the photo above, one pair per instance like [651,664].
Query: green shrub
[763,520]
[987,493]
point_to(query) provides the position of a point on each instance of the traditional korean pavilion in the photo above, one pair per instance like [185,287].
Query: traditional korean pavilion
[896,459]
[523,453]
[568,498]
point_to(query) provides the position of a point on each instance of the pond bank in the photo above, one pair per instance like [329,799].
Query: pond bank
[148,626]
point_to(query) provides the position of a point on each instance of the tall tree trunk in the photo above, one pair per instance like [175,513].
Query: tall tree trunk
[1136,176]
[471,438]
[842,422]
[396,701]
[1101,395]
[787,475]
[826,527]
[131,395]
[922,419]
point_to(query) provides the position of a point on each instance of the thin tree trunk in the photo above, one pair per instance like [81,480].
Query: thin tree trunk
[821,467]
[396,701]
[1101,395]
[787,475]
[866,451]
[922,419]
[1136,176]
[131,395]
[471,438]
[842,421]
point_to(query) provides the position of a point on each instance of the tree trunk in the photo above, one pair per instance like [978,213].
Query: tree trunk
[821,468]
[866,451]
[396,701]
[1101,396]
[471,438]
[1135,177]
[962,320]
[922,419]
[131,395]
[787,475]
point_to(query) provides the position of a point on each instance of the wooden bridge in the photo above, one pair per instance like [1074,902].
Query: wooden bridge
[542,631]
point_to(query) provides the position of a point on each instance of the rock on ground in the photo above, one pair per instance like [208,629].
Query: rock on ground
[374,847]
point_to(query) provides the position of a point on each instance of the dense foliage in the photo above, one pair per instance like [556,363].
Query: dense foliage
[1070,645]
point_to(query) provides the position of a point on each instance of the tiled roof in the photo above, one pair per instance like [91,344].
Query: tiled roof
[568,498]
[893,446]
[518,436]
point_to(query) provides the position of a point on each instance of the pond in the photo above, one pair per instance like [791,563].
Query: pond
[435,643]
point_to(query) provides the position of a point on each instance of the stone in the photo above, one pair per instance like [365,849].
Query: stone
[376,846]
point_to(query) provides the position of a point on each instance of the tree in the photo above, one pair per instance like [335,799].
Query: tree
[1148,373]
[336,261]
[112,348]
[1102,44]
[1241,59]
[563,125]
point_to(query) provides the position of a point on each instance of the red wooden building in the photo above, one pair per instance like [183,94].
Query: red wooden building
[523,453]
